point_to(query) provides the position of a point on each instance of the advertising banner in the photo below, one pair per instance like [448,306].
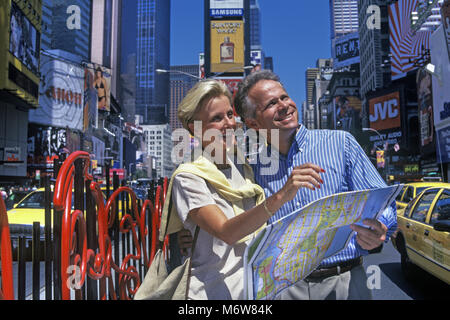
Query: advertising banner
[226,8]
[201,65]
[61,99]
[408,43]
[227,46]
[380,159]
[232,83]
[443,145]
[346,50]
[12,156]
[425,104]
[256,58]
[45,144]
[384,111]
[348,109]
[24,39]
[445,13]
[90,110]
[102,84]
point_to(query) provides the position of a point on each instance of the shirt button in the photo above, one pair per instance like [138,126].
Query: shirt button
[298,204]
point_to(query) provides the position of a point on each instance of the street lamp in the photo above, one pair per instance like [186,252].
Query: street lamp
[197,77]
[178,71]
[384,147]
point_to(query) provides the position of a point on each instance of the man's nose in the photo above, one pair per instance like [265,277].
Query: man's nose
[282,104]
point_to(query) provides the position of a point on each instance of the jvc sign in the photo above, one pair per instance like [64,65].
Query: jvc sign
[384,111]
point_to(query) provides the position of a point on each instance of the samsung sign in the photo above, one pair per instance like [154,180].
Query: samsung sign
[217,13]
[346,50]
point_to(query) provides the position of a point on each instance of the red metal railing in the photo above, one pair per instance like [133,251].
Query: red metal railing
[78,261]
[7,288]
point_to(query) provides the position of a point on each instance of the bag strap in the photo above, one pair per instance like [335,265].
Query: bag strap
[194,242]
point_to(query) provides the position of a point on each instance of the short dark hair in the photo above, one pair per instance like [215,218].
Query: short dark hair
[242,104]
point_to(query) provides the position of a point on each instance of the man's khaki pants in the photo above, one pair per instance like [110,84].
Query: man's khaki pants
[350,285]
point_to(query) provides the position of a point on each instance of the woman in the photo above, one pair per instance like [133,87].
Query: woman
[217,195]
[100,85]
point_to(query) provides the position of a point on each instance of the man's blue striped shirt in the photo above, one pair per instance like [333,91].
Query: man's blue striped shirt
[347,168]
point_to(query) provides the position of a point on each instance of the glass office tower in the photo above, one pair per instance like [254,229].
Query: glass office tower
[153,52]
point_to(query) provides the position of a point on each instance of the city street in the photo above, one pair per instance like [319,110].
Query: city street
[393,285]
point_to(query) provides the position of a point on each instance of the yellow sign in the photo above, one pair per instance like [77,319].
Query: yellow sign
[380,159]
[227,46]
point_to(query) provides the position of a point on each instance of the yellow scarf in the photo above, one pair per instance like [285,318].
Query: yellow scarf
[207,170]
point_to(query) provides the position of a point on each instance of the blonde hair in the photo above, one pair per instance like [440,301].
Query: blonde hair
[202,92]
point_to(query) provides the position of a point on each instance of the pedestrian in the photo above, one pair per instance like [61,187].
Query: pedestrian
[3,193]
[263,103]
[215,192]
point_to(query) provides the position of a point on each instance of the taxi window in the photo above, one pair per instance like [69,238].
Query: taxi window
[409,195]
[422,207]
[441,211]
[33,201]
[399,196]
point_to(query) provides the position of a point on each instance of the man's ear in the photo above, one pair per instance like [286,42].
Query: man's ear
[251,123]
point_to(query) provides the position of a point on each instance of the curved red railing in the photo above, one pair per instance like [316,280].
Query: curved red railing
[7,285]
[77,258]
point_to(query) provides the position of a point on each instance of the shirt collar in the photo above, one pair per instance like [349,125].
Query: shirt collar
[297,143]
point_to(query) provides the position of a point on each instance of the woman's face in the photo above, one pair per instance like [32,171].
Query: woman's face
[218,121]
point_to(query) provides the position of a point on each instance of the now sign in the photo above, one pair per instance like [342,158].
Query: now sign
[384,111]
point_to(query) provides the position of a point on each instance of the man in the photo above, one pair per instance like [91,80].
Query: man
[263,103]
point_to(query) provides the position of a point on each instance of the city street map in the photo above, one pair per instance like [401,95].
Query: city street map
[291,248]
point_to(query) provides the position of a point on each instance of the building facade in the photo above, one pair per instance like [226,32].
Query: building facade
[159,146]
[66,25]
[343,19]
[180,84]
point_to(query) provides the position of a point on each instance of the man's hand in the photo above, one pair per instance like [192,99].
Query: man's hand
[304,176]
[185,239]
[372,237]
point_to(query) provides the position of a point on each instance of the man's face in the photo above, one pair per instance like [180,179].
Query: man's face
[274,108]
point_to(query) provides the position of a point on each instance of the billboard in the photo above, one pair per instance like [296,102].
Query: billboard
[24,39]
[61,100]
[425,105]
[20,50]
[346,50]
[445,14]
[348,110]
[45,144]
[384,111]
[441,94]
[226,8]
[227,46]
[407,44]
[90,109]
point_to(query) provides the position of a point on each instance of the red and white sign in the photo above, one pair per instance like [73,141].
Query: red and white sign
[120,172]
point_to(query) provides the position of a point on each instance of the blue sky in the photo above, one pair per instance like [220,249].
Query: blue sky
[294,32]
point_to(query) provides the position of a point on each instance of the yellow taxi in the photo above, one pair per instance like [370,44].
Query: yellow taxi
[32,209]
[411,190]
[423,237]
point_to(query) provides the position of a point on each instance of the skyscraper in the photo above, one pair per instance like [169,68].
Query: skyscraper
[375,50]
[153,52]
[128,61]
[255,25]
[180,84]
[344,18]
